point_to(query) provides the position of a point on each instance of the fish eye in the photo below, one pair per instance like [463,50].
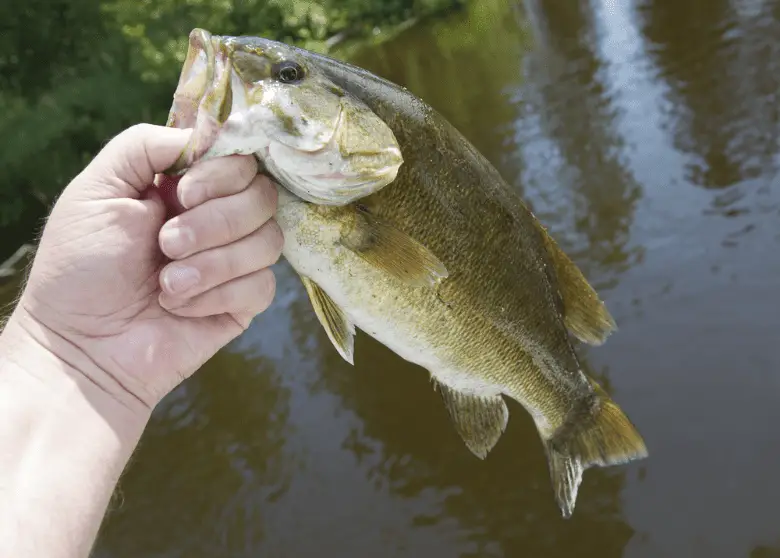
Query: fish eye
[288,72]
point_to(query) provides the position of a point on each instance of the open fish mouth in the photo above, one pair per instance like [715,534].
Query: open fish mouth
[203,97]
[227,119]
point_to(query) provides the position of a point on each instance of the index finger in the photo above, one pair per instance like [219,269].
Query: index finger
[216,178]
[127,165]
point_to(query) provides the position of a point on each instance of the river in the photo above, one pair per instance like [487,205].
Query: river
[645,135]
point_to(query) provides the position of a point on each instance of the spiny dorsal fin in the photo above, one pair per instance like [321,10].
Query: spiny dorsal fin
[479,420]
[584,314]
[394,252]
[340,330]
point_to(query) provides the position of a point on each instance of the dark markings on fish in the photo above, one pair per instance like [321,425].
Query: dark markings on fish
[251,67]
[340,330]
[227,104]
[287,121]
[479,420]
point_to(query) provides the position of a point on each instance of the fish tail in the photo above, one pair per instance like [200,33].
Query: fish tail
[598,434]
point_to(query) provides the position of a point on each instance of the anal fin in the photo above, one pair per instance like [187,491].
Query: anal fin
[340,330]
[480,420]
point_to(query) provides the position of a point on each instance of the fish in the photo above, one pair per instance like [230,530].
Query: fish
[399,227]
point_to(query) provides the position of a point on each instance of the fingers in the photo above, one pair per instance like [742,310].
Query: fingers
[205,270]
[216,178]
[246,296]
[126,166]
[223,244]
[220,221]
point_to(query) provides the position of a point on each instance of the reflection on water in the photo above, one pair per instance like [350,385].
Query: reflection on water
[212,463]
[644,133]
[570,146]
[720,64]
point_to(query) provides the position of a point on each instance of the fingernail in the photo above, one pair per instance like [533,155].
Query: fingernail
[178,279]
[176,241]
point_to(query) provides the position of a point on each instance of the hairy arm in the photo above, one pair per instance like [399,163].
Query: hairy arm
[64,442]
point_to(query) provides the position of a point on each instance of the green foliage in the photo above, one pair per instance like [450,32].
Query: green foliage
[75,72]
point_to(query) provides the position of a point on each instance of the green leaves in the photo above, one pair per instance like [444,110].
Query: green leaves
[73,73]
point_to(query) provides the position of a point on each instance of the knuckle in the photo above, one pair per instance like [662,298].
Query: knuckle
[246,168]
[215,267]
[224,224]
[273,239]
[227,297]
[266,194]
[266,290]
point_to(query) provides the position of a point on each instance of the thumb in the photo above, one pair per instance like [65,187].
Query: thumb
[129,162]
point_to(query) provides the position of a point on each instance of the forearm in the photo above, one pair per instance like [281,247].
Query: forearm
[63,445]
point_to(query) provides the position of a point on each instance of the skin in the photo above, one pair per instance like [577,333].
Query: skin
[105,327]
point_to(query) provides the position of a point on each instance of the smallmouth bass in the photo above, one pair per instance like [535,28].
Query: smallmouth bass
[398,226]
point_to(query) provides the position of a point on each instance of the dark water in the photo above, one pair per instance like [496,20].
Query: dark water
[646,135]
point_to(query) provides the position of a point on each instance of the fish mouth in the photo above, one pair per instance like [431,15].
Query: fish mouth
[334,188]
[203,96]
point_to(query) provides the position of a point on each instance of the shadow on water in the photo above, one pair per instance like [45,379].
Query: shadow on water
[504,505]
[210,466]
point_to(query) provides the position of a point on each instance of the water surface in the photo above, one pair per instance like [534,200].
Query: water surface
[645,135]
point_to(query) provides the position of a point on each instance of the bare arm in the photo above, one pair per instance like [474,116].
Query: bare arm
[64,442]
[122,303]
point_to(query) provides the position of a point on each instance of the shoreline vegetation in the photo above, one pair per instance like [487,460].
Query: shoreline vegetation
[60,115]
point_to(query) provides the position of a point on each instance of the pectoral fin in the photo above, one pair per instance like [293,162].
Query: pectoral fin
[585,315]
[479,420]
[394,252]
[340,330]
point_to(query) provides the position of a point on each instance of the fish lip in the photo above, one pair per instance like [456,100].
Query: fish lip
[187,97]
[378,174]
[202,101]
[345,195]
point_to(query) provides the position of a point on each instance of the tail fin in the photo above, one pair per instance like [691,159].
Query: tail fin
[601,435]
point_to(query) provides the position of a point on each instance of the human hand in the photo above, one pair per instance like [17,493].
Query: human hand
[101,289]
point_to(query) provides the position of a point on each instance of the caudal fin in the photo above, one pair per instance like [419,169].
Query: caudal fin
[601,435]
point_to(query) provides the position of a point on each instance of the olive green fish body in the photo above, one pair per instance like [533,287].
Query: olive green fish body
[426,248]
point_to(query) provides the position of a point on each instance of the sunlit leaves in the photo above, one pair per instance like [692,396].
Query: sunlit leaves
[75,72]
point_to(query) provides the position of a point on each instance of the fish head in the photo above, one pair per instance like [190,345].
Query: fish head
[249,95]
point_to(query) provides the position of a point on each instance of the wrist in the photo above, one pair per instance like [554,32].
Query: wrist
[57,424]
[59,379]
[59,364]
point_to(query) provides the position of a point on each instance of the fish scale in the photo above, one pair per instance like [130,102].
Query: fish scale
[429,250]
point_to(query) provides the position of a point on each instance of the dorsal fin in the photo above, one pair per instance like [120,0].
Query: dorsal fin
[584,314]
